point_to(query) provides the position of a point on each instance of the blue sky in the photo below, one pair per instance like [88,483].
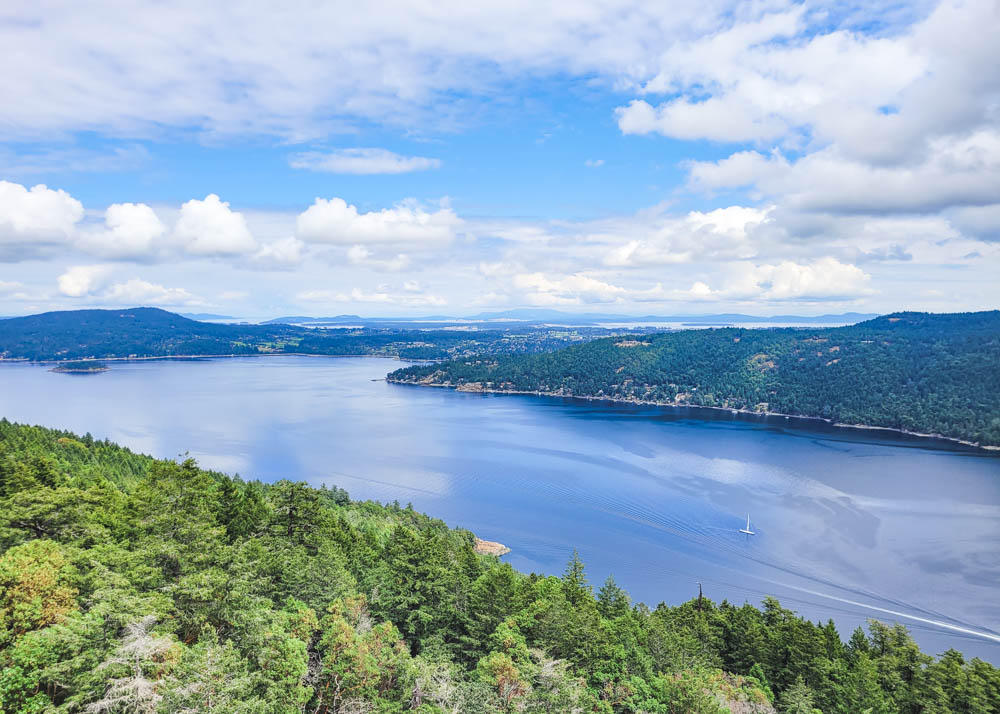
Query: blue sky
[623,157]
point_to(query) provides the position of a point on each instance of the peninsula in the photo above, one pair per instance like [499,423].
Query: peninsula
[922,373]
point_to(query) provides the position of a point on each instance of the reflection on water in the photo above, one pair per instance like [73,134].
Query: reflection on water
[850,524]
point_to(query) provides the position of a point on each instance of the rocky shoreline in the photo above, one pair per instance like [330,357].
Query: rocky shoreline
[489,547]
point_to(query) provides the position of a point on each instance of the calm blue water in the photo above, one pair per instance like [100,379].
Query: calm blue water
[850,524]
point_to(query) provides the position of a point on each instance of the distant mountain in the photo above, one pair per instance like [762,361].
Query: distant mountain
[150,332]
[919,372]
[303,320]
[545,315]
[205,316]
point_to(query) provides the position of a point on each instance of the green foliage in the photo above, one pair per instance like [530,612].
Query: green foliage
[85,366]
[918,372]
[134,585]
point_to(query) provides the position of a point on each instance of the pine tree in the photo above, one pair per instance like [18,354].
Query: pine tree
[574,580]
[612,601]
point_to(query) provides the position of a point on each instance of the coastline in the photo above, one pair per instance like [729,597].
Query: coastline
[484,390]
[747,412]
[25,360]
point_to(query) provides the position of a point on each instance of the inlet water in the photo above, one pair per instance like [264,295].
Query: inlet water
[850,524]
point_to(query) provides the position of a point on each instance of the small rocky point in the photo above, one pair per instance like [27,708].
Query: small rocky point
[488,547]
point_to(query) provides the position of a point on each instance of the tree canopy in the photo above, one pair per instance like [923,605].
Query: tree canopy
[918,372]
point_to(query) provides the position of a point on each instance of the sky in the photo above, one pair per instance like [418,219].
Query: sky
[412,158]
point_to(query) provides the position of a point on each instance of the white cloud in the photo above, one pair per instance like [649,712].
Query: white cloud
[283,253]
[141,292]
[783,77]
[822,279]
[962,171]
[541,289]
[131,231]
[593,163]
[360,255]
[655,239]
[381,296]
[34,220]
[335,221]
[83,280]
[362,161]
[210,228]
[94,283]
[9,286]
[251,68]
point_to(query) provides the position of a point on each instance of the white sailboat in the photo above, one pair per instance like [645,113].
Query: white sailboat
[747,529]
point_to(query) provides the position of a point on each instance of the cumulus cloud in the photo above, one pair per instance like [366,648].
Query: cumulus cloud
[210,228]
[541,289]
[362,161]
[94,283]
[34,220]
[822,279]
[83,280]
[722,233]
[335,221]
[131,231]
[142,292]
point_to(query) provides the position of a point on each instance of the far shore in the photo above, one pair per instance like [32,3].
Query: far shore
[747,412]
[484,390]
[25,360]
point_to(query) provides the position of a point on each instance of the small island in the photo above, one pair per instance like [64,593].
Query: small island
[86,366]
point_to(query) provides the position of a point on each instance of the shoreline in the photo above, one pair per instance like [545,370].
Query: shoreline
[484,390]
[25,360]
[993,450]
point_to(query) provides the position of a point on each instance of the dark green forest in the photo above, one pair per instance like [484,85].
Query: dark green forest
[920,372]
[129,584]
[151,332]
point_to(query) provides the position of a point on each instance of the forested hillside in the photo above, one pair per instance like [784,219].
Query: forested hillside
[150,332]
[134,585]
[927,373]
